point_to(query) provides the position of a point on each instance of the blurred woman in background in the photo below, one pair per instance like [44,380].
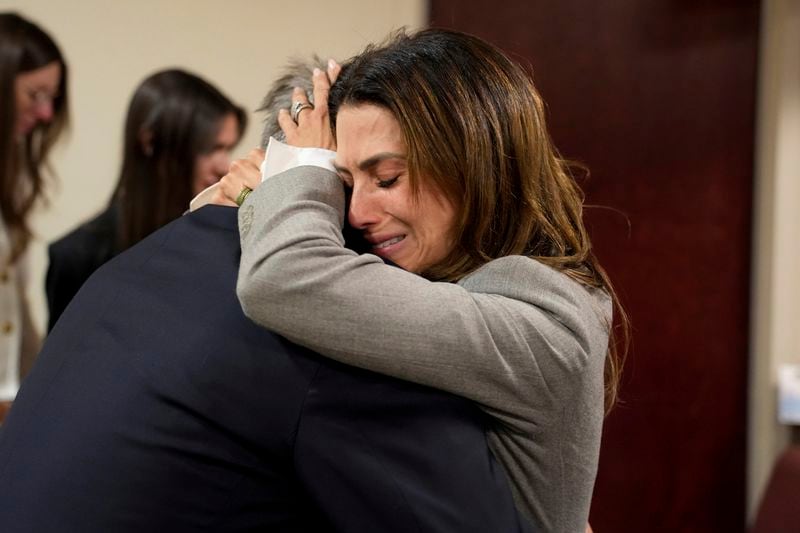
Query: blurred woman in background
[33,98]
[179,132]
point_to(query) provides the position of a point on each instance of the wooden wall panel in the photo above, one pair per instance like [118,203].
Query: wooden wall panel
[657,97]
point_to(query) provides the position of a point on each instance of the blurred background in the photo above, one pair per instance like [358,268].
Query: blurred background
[687,113]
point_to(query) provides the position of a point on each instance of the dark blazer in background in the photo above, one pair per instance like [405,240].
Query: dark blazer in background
[74,257]
[156,405]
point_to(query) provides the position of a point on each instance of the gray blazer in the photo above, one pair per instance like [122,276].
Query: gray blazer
[525,342]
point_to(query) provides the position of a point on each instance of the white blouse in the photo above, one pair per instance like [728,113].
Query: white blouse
[12,279]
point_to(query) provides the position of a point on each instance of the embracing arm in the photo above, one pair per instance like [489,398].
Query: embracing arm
[491,343]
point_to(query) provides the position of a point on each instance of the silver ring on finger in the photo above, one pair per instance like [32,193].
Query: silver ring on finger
[297,107]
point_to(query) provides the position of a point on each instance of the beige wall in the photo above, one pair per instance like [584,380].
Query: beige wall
[238,45]
[776,246]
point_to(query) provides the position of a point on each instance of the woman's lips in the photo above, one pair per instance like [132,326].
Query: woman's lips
[387,248]
[389,242]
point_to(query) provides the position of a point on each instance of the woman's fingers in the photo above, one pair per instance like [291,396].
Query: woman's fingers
[288,126]
[334,69]
[300,104]
[322,87]
[309,126]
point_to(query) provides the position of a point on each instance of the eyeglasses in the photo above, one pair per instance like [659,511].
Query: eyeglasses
[41,96]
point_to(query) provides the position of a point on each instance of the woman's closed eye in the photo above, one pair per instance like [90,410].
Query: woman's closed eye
[348,182]
[385,184]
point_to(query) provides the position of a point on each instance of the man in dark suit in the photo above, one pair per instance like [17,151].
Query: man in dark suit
[156,405]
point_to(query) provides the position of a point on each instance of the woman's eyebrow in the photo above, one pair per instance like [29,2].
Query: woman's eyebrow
[371,161]
[377,158]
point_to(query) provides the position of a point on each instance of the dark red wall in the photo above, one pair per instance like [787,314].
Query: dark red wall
[658,99]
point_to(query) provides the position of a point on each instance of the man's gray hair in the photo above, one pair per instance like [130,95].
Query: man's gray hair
[297,73]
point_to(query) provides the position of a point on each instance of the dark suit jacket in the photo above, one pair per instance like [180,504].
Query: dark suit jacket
[75,257]
[155,405]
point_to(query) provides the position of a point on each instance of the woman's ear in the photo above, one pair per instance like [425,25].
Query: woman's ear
[146,142]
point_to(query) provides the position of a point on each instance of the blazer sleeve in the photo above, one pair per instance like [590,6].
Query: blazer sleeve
[74,258]
[378,454]
[512,336]
[61,284]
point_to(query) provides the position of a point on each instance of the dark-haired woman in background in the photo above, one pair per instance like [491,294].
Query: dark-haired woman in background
[179,133]
[33,102]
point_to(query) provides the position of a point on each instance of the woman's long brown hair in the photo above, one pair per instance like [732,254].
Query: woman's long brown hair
[474,124]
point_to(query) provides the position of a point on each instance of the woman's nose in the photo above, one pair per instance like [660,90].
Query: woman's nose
[44,111]
[362,211]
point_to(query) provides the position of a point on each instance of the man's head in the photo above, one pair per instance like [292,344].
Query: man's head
[297,73]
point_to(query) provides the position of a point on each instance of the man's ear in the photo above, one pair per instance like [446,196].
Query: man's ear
[146,141]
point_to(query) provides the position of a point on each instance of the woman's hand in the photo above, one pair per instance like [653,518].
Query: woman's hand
[243,174]
[313,126]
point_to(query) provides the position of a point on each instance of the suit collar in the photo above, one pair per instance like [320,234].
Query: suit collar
[220,216]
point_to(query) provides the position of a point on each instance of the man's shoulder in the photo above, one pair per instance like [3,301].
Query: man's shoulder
[222,217]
